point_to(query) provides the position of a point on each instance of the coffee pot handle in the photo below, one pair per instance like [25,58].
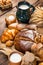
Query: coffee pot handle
[32,8]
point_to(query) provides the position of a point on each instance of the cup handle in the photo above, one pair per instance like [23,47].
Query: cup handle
[32,8]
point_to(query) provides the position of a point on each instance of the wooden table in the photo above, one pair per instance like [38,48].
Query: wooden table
[3,15]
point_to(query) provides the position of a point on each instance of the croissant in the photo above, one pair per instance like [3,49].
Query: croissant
[17,26]
[37,39]
[20,26]
[8,34]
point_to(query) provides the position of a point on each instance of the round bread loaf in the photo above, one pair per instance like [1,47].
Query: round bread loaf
[24,40]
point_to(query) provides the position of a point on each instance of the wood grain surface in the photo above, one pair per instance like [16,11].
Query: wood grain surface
[3,15]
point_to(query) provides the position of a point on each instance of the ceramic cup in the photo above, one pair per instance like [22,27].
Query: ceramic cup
[15,59]
[24,11]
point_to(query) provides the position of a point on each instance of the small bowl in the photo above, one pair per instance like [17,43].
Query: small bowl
[14,63]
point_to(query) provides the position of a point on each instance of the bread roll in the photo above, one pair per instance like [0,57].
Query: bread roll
[10,19]
[5,4]
[20,26]
[8,1]
[9,43]
[41,38]
[28,59]
[37,39]
[37,49]
[24,40]
[17,26]
[4,1]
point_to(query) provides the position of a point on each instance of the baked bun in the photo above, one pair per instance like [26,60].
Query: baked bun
[17,26]
[41,38]
[20,26]
[38,39]
[24,40]
[37,49]
[5,4]
[9,43]
[10,19]
[8,34]
[28,59]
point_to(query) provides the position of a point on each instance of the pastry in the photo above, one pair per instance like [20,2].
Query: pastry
[20,26]
[11,18]
[5,4]
[41,38]
[37,39]
[28,59]
[8,34]
[9,43]
[17,26]
[24,40]
[37,49]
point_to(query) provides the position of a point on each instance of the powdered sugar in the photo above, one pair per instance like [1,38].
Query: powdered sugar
[11,17]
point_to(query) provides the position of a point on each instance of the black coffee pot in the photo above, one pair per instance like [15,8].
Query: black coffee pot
[24,15]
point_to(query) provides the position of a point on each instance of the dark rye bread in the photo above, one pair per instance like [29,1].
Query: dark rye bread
[24,40]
